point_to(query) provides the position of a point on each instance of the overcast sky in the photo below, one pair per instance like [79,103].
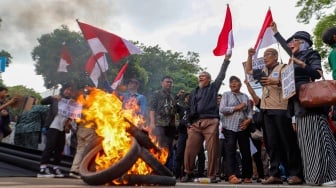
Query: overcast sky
[177,25]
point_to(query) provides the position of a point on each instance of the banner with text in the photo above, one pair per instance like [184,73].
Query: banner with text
[69,108]
[288,81]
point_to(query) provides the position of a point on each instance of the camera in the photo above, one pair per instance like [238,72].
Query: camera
[258,74]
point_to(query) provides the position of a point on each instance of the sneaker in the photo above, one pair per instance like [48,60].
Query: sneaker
[45,173]
[329,184]
[214,180]
[187,178]
[58,173]
[74,175]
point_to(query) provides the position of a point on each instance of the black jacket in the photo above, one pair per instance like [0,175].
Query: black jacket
[203,101]
[53,102]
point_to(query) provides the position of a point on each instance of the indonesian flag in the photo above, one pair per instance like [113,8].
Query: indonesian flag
[119,76]
[103,41]
[225,41]
[96,65]
[65,60]
[266,35]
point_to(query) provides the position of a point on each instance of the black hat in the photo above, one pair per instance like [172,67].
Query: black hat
[301,35]
[327,36]
[234,78]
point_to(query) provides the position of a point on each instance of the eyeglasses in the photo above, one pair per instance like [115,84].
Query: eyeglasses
[268,54]
[295,40]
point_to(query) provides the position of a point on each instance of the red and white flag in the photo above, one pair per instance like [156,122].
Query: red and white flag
[266,35]
[119,76]
[65,60]
[96,65]
[225,41]
[103,41]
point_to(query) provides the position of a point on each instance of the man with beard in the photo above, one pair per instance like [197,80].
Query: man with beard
[204,119]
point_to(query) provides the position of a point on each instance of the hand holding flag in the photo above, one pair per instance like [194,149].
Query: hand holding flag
[225,41]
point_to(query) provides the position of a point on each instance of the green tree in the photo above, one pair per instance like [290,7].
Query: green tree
[21,91]
[325,22]
[155,63]
[47,56]
[312,8]
[319,10]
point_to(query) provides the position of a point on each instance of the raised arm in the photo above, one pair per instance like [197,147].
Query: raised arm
[280,39]
[255,97]
[248,67]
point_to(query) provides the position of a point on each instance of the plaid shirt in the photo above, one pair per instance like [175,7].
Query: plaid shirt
[231,119]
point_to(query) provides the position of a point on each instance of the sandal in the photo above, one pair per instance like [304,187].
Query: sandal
[234,180]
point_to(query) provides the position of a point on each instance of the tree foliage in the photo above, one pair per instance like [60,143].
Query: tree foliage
[320,10]
[325,22]
[312,8]
[21,91]
[47,56]
[148,67]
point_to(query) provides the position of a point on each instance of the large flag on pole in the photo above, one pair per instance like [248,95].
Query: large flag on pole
[95,66]
[225,41]
[65,60]
[119,76]
[103,41]
[266,35]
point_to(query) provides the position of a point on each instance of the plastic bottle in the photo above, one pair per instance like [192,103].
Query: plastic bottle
[204,180]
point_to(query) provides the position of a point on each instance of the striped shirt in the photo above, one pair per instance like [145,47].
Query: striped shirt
[231,119]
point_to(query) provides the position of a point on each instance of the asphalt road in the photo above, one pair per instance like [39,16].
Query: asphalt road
[32,182]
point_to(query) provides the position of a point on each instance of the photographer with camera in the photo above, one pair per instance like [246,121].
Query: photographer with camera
[277,121]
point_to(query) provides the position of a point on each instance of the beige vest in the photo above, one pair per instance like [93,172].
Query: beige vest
[272,95]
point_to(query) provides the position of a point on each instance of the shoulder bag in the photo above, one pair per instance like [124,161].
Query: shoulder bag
[319,93]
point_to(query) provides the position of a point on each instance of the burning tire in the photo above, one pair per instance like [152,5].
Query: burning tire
[156,165]
[150,180]
[92,177]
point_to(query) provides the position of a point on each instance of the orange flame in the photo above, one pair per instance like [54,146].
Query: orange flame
[105,111]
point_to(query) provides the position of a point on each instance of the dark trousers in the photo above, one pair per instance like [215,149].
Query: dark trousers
[257,158]
[221,158]
[54,147]
[165,137]
[282,145]
[231,139]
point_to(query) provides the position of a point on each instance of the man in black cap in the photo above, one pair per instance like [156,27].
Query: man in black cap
[237,116]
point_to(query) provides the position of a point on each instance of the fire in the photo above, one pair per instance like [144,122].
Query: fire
[106,112]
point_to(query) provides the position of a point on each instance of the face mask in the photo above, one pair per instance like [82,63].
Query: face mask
[303,46]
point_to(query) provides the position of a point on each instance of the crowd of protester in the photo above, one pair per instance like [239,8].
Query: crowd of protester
[229,136]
